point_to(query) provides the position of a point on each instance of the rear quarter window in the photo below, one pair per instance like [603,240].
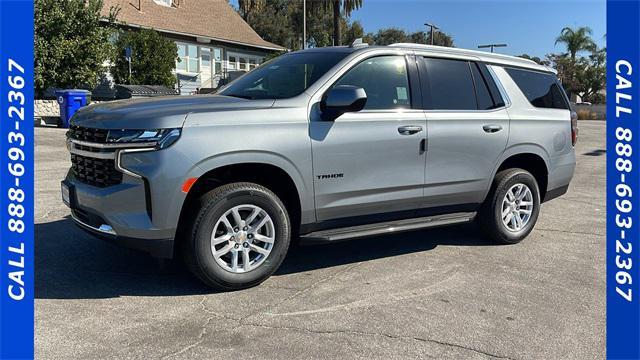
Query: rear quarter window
[541,89]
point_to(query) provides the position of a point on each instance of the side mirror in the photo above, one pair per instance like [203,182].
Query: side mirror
[342,99]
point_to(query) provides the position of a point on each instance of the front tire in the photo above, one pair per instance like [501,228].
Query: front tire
[511,209]
[239,237]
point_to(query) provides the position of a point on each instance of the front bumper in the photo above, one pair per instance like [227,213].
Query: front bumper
[93,210]
[160,248]
[142,210]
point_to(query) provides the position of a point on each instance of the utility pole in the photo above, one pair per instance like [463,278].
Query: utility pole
[432,27]
[491,46]
[304,24]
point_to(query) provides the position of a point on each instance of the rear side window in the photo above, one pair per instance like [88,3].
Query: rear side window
[486,89]
[482,91]
[450,85]
[541,89]
[459,85]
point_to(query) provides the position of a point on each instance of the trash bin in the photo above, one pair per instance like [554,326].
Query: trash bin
[71,101]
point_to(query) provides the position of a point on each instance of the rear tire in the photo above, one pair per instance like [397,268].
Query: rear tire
[511,209]
[239,237]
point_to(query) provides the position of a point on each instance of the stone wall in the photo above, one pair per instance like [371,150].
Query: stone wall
[46,108]
[48,112]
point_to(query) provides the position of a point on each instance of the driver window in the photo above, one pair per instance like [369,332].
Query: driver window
[385,81]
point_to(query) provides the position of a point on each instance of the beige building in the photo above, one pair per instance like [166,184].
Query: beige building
[214,42]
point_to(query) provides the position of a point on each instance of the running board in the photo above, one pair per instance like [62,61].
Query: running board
[389,227]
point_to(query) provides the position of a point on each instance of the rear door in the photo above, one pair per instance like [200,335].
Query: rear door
[468,129]
[371,161]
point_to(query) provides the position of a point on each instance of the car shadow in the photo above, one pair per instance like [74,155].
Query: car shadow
[596,152]
[71,264]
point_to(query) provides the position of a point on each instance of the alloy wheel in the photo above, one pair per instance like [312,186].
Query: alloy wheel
[517,207]
[242,238]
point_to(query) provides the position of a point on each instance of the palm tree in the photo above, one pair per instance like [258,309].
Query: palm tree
[338,6]
[576,40]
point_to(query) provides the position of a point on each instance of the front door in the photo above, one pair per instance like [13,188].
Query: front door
[371,162]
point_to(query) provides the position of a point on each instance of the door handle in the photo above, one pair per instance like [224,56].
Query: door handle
[492,128]
[409,129]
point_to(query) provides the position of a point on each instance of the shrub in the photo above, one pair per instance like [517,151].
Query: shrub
[153,58]
[589,115]
[71,44]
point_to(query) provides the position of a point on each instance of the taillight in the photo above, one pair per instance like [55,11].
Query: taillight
[574,128]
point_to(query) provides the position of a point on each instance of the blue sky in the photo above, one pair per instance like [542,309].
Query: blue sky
[526,26]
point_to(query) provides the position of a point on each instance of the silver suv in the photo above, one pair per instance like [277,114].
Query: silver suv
[323,145]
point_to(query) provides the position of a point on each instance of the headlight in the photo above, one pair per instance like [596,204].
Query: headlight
[160,138]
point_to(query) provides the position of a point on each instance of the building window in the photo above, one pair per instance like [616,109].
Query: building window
[205,57]
[182,55]
[217,58]
[188,55]
[192,52]
[232,63]
[242,62]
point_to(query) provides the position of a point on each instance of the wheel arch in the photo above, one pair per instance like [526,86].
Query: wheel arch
[530,157]
[274,177]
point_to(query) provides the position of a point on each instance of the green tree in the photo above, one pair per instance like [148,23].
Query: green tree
[280,22]
[392,35]
[337,8]
[535,59]
[246,7]
[389,36]
[153,58]
[576,40]
[440,39]
[594,76]
[572,69]
[276,22]
[354,31]
[71,45]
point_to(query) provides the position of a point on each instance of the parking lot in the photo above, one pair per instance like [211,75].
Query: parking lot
[442,293]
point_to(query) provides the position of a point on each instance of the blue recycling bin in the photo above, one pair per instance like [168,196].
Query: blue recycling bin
[70,101]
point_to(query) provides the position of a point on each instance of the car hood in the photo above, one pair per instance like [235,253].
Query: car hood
[158,112]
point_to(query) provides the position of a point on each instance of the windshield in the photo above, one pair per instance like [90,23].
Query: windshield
[284,77]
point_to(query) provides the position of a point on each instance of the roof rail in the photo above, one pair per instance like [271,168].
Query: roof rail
[465,51]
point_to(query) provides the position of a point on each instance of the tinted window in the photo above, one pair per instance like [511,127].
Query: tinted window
[541,89]
[450,85]
[493,88]
[485,102]
[284,77]
[384,79]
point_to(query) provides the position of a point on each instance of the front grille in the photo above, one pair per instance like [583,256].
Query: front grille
[91,170]
[88,134]
[96,172]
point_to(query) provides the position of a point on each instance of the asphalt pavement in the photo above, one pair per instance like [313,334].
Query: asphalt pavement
[441,293]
